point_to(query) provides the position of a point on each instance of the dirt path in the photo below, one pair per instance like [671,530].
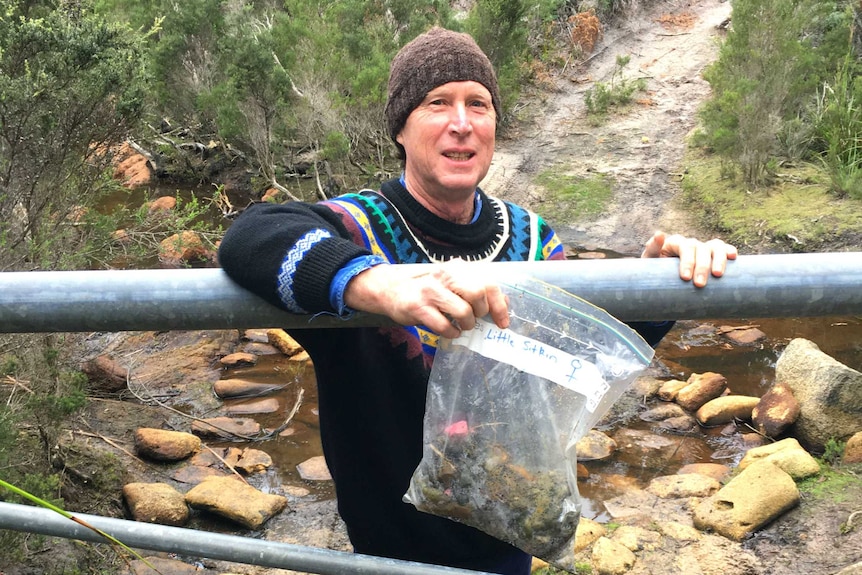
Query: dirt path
[640,150]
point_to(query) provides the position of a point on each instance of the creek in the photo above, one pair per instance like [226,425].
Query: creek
[690,347]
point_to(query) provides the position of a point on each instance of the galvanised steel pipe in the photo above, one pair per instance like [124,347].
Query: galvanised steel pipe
[754,286]
[232,548]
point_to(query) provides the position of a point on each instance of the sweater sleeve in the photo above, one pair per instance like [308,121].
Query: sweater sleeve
[288,254]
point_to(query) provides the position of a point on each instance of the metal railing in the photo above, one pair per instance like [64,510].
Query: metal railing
[796,285]
[758,286]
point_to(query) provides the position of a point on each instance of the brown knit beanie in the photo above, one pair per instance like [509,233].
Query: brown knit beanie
[432,59]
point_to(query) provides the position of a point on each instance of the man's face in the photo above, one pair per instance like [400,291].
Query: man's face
[449,140]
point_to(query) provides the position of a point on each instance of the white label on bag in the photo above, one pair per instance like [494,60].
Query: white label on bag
[536,358]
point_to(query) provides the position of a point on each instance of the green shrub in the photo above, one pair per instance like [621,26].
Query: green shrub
[618,92]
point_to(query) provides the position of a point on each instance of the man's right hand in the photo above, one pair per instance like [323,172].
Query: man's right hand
[445,298]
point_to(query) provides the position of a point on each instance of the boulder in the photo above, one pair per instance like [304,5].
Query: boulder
[717,471]
[759,494]
[184,248]
[237,359]
[283,342]
[253,406]
[156,503]
[163,204]
[829,393]
[681,424]
[742,335]
[662,412]
[700,388]
[636,538]
[853,450]
[787,455]
[725,409]
[611,558]
[595,445]
[232,498]
[314,469]
[105,374]
[669,389]
[226,427]
[684,485]
[165,445]
[253,461]
[230,388]
[587,533]
[776,411]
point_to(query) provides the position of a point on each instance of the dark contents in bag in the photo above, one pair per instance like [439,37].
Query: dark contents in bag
[472,479]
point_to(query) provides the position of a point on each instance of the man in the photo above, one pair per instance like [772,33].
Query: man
[334,257]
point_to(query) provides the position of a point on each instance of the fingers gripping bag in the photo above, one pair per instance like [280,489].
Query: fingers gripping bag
[505,408]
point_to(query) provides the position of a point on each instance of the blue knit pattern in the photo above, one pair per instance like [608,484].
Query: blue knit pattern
[519,242]
[291,260]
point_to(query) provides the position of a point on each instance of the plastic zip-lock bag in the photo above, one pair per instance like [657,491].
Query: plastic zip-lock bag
[505,409]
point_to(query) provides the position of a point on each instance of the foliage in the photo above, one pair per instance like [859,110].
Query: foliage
[602,97]
[498,28]
[837,120]
[71,89]
[833,451]
[765,77]
[798,214]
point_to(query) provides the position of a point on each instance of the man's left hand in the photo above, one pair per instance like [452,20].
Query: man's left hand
[697,259]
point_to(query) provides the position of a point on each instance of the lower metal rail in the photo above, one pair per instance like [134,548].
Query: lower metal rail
[153,537]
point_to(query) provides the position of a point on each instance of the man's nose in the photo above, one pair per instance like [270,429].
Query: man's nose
[460,121]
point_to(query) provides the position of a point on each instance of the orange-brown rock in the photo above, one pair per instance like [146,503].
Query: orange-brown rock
[776,411]
[165,445]
[184,248]
[156,503]
[105,373]
[701,388]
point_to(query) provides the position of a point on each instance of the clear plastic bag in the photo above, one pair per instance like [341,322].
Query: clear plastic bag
[505,409]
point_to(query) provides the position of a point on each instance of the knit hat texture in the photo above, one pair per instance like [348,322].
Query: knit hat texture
[432,59]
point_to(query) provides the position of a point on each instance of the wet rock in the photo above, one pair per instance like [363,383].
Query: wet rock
[301,357]
[611,558]
[226,427]
[759,494]
[725,409]
[230,388]
[184,248]
[163,204]
[743,335]
[702,387]
[254,406]
[236,500]
[679,531]
[776,411]
[253,461]
[194,474]
[105,374]
[669,389]
[283,342]
[314,469]
[681,424]
[787,455]
[829,393]
[132,168]
[166,445]
[581,471]
[685,485]
[587,533]
[715,470]
[595,445]
[662,412]
[646,386]
[156,503]
[258,348]
[636,538]
[853,450]
[237,359]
